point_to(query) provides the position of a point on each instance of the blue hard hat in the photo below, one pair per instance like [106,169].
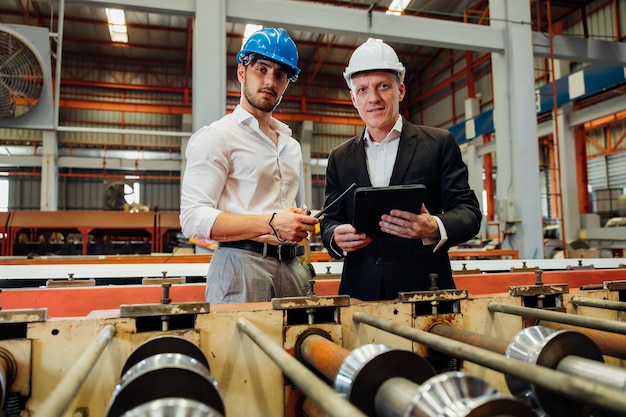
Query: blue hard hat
[275,45]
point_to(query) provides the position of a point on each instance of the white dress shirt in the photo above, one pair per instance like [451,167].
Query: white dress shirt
[233,166]
[381,157]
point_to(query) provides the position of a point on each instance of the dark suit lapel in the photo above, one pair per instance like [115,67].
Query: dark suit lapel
[406,153]
[358,161]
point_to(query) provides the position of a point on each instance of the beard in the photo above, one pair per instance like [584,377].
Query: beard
[260,103]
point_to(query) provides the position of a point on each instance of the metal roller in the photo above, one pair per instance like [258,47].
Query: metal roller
[568,351]
[164,375]
[165,344]
[8,372]
[545,347]
[385,382]
[573,387]
[170,407]
[358,374]
[367,367]
[317,390]
[450,394]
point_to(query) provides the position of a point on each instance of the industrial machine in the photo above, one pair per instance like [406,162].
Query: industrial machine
[538,349]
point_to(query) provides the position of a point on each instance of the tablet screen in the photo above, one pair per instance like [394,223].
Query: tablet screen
[370,203]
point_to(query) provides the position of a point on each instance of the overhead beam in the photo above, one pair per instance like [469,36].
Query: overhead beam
[569,48]
[403,29]
[357,22]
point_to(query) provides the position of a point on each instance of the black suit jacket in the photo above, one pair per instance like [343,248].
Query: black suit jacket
[428,156]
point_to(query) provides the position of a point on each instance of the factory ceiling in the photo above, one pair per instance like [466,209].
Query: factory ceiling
[162,39]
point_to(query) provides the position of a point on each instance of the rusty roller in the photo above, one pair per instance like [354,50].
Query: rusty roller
[387,382]
[166,367]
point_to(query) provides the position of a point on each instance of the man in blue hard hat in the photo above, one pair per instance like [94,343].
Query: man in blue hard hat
[243,185]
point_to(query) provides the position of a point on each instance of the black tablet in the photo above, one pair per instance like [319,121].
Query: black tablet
[370,203]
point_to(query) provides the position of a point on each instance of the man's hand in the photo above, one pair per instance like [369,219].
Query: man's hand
[293,224]
[348,239]
[410,225]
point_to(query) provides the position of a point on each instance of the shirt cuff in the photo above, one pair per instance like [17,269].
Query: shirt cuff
[338,251]
[442,233]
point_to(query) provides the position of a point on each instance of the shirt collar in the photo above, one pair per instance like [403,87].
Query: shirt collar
[244,117]
[394,133]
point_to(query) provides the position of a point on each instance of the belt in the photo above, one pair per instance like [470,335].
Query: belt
[282,252]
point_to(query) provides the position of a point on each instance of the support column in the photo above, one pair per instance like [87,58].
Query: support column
[186,126]
[49,172]
[515,123]
[209,67]
[306,134]
[209,63]
[474,162]
[566,141]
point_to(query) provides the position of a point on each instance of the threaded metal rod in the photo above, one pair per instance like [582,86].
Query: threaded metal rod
[537,313]
[592,302]
[570,386]
[311,385]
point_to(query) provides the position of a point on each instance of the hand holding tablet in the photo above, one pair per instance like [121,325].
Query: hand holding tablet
[370,203]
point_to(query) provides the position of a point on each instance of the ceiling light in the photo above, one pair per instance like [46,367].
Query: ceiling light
[397,7]
[250,29]
[116,20]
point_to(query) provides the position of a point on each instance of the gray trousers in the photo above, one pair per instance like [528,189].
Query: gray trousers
[240,276]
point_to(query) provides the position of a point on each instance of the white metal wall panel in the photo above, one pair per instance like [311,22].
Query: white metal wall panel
[616,167]
[460,96]
[162,194]
[24,192]
[484,88]
[597,173]
[601,23]
[326,136]
[77,193]
[439,113]
[20,134]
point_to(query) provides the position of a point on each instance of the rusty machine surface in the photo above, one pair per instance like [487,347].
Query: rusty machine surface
[539,349]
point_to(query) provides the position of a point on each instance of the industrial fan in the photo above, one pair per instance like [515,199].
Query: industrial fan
[21,77]
[115,195]
[25,78]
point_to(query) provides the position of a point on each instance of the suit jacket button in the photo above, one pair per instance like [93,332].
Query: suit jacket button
[379,261]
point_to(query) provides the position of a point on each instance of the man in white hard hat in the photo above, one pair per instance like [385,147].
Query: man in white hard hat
[243,184]
[391,151]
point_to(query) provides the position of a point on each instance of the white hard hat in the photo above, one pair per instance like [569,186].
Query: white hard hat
[371,56]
